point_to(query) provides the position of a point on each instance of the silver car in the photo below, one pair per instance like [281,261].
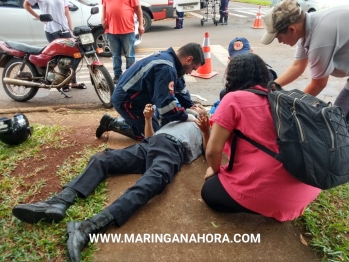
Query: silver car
[314,5]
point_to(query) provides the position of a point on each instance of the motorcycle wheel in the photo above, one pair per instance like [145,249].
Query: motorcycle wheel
[105,86]
[19,93]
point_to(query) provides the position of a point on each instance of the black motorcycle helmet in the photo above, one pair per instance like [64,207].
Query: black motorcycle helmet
[16,130]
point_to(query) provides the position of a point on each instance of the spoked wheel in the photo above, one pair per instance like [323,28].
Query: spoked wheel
[19,93]
[104,86]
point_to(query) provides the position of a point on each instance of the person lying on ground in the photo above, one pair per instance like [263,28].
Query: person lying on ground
[158,157]
[257,183]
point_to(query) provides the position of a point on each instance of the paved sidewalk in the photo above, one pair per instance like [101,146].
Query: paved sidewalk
[180,210]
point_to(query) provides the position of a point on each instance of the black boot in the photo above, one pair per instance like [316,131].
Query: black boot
[104,125]
[119,125]
[177,24]
[225,20]
[79,232]
[52,209]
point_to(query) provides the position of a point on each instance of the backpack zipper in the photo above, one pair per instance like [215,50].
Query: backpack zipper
[297,120]
[328,126]
[277,113]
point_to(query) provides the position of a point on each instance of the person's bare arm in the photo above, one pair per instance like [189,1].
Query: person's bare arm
[67,15]
[103,22]
[219,135]
[148,113]
[293,72]
[139,14]
[30,10]
[316,86]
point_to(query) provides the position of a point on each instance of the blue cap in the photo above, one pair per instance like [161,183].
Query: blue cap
[238,46]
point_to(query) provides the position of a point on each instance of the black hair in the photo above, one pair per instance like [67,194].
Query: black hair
[246,71]
[194,50]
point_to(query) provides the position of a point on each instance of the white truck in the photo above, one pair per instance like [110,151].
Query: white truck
[162,9]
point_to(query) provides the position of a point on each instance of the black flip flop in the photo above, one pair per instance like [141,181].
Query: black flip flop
[79,86]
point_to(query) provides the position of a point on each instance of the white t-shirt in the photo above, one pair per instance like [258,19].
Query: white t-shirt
[56,9]
[326,42]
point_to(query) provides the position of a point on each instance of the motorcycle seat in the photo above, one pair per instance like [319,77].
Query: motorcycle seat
[29,49]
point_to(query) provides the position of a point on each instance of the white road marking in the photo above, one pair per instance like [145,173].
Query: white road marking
[220,52]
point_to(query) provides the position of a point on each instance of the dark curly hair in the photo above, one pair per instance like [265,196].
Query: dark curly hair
[246,71]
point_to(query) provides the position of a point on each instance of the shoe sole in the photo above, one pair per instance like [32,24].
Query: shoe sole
[33,216]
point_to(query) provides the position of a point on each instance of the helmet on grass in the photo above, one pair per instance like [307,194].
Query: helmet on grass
[16,130]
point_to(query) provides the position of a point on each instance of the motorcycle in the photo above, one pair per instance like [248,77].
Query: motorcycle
[28,68]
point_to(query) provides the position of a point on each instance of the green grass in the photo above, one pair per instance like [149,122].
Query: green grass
[254,2]
[41,242]
[326,221]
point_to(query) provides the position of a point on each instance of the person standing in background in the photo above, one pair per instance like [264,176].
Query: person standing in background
[179,20]
[223,12]
[118,22]
[60,27]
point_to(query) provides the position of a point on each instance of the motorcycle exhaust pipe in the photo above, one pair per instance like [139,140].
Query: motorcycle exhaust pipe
[12,81]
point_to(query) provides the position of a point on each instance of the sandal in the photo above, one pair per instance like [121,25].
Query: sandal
[65,88]
[79,86]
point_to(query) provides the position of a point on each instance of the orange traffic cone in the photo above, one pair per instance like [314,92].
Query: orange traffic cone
[205,71]
[258,21]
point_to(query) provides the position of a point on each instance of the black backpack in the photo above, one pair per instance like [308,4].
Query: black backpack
[312,136]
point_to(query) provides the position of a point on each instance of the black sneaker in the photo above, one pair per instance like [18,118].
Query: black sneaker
[104,125]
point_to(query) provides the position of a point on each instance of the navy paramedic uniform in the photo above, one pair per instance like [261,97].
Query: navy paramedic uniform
[151,80]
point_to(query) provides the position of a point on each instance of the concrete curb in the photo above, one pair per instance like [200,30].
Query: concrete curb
[50,109]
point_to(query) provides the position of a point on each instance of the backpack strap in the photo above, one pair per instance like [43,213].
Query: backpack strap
[238,133]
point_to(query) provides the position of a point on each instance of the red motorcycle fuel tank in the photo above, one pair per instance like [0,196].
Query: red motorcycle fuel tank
[61,46]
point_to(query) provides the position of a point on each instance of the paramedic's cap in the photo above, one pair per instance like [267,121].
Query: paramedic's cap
[238,46]
[280,16]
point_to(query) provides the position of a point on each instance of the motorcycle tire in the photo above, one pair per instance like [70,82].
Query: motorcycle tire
[11,68]
[105,87]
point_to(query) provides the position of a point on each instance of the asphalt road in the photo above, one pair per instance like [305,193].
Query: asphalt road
[162,35]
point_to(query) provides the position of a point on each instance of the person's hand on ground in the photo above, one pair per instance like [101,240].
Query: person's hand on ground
[209,173]
[148,111]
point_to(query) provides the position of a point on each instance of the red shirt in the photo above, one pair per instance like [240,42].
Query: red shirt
[258,181]
[119,16]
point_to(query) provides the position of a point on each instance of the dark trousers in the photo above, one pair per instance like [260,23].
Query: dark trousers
[133,115]
[215,196]
[223,9]
[157,158]
[50,37]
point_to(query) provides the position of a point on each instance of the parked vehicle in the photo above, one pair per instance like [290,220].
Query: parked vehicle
[24,28]
[314,5]
[28,68]
[162,9]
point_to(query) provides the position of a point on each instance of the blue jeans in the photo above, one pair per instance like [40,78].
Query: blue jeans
[125,43]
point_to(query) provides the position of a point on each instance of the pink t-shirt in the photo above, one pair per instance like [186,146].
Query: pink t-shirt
[258,181]
[120,16]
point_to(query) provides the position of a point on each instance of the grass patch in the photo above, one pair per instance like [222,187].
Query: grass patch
[326,221]
[41,242]
[254,2]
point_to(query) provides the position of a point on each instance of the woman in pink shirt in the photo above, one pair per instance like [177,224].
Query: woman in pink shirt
[257,182]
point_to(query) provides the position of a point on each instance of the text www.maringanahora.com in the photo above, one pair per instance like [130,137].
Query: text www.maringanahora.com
[174,238]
